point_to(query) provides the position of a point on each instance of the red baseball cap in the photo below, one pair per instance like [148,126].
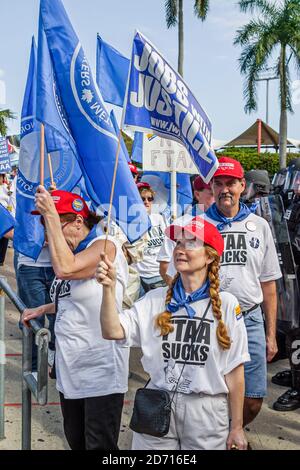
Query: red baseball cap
[68,203]
[198,228]
[229,167]
[133,168]
[199,185]
[143,185]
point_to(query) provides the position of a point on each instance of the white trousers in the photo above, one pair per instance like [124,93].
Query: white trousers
[198,422]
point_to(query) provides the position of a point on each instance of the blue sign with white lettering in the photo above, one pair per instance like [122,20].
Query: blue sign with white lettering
[5,166]
[159,101]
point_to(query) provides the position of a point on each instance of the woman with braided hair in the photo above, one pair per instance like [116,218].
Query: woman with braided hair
[193,340]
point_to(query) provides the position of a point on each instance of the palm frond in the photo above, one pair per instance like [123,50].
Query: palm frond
[5,114]
[253,61]
[201,8]
[264,7]
[249,32]
[171,7]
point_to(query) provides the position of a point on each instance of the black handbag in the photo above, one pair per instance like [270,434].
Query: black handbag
[151,412]
[152,407]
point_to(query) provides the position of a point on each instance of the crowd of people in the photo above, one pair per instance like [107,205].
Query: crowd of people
[197,294]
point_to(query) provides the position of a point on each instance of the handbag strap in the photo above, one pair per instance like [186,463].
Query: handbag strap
[201,322]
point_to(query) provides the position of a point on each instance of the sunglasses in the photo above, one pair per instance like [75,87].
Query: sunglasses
[149,199]
[62,224]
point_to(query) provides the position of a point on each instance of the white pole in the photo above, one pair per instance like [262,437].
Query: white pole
[173,193]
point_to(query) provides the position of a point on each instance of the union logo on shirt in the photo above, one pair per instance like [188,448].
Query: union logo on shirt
[238,312]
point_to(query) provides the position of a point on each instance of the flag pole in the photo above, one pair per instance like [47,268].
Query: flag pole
[42,155]
[53,185]
[173,191]
[112,190]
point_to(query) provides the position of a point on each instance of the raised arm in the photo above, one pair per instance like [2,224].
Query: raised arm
[109,317]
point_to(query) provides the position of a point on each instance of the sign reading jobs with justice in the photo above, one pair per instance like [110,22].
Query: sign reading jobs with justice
[166,155]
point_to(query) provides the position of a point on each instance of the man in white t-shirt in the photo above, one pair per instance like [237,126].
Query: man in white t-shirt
[249,269]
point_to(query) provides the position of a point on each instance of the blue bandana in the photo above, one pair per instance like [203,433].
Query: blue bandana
[180,300]
[214,214]
[84,243]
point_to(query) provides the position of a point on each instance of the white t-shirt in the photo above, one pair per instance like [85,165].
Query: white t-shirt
[249,258]
[43,261]
[149,266]
[86,364]
[163,357]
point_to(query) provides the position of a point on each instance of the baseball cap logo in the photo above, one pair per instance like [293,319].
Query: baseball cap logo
[226,166]
[198,224]
[77,205]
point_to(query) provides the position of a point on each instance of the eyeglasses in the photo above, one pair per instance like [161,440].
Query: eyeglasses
[149,199]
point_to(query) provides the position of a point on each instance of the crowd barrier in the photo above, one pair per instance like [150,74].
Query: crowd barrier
[32,384]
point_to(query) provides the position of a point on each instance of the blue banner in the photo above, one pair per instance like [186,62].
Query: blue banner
[117,131]
[50,111]
[90,124]
[5,166]
[137,148]
[112,73]
[41,102]
[159,101]
[7,222]
[29,233]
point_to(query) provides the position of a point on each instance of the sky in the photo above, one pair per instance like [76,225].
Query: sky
[211,61]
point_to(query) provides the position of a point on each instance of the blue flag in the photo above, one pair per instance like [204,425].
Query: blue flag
[112,73]
[159,101]
[90,124]
[117,131]
[49,111]
[41,101]
[7,222]
[29,233]
[137,148]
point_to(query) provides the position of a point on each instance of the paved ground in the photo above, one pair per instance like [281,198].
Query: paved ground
[271,430]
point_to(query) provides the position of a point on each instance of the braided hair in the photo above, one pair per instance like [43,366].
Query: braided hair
[163,320]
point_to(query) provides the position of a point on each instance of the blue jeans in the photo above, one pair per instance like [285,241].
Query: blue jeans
[256,369]
[34,285]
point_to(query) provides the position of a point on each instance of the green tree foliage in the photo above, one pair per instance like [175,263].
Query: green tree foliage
[276,30]
[5,114]
[250,159]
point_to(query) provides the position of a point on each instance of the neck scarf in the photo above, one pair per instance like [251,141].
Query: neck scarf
[84,243]
[180,299]
[215,214]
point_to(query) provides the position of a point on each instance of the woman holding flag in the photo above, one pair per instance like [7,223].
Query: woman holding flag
[193,340]
[91,372]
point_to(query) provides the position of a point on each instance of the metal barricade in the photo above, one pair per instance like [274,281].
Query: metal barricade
[31,385]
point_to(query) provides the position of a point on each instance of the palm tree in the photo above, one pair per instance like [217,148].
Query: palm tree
[4,115]
[276,30]
[174,15]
